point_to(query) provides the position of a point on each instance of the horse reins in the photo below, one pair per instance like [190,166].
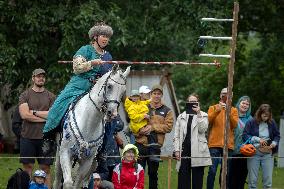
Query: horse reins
[107,101]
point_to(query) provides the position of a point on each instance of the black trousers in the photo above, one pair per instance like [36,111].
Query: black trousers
[152,138]
[238,172]
[152,166]
[187,174]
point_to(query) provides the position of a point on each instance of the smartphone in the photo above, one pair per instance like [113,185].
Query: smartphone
[269,141]
[189,106]
[223,98]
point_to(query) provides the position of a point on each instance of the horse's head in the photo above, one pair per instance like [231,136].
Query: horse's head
[113,89]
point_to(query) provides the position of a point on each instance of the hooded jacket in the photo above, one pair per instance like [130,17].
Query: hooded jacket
[217,125]
[128,175]
[136,112]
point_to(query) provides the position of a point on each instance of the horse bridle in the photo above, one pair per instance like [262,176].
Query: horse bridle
[106,101]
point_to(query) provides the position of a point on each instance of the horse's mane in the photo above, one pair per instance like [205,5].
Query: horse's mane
[101,80]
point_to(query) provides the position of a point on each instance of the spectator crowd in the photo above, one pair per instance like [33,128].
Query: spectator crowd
[198,135]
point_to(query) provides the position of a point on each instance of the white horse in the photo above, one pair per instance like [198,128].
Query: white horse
[83,129]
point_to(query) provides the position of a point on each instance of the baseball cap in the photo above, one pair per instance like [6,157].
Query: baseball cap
[134,93]
[144,89]
[159,87]
[96,176]
[38,71]
[224,91]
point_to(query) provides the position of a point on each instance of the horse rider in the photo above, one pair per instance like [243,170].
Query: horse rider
[87,67]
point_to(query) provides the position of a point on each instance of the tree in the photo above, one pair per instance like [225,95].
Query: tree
[39,33]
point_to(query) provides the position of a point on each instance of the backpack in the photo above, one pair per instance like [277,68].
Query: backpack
[19,180]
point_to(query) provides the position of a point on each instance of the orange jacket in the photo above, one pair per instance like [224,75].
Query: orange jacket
[217,124]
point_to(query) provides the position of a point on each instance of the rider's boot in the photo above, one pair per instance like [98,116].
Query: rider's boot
[49,143]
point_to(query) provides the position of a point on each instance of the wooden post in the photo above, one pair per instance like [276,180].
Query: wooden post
[230,89]
[169,171]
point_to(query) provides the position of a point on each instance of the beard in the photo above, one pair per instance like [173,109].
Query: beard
[39,85]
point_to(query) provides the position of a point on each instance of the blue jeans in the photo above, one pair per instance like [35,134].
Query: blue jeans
[216,152]
[266,163]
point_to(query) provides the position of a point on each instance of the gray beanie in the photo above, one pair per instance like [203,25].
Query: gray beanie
[100,29]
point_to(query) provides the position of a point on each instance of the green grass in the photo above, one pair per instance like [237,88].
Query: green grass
[9,165]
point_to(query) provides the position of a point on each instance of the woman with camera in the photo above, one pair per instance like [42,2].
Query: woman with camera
[190,145]
[264,135]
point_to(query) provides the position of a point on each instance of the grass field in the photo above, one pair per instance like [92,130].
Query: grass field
[9,165]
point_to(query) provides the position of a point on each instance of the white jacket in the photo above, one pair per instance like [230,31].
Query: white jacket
[199,147]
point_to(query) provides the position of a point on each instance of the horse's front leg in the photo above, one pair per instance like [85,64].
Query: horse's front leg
[83,173]
[65,161]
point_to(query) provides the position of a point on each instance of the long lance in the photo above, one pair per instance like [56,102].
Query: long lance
[215,63]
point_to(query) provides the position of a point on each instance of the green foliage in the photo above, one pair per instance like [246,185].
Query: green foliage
[39,33]
[258,66]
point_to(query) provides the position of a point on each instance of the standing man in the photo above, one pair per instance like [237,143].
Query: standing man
[34,104]
[160,123]
[217,123]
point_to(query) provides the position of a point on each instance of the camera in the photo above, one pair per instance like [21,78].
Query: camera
[189,106]
[224,98]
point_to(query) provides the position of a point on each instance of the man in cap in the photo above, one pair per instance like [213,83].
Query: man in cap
[34,104]
[138,113]
[216,117]
[160,122]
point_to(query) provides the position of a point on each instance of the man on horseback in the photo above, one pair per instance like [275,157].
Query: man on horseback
[86,71]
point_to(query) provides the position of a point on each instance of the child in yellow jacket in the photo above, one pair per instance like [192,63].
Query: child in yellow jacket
[138,113]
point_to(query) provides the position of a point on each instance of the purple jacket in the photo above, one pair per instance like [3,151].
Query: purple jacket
[252,129]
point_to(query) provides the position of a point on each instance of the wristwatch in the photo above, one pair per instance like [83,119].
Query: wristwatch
[34,112]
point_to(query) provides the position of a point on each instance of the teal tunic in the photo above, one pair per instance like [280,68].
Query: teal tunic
[78,84]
